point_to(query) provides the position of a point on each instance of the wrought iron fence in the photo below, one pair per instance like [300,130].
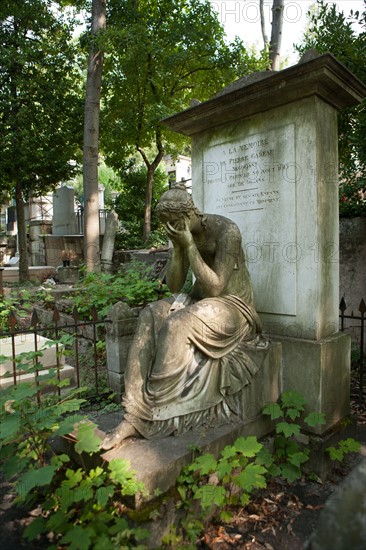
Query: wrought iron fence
[54,331]
[361,327]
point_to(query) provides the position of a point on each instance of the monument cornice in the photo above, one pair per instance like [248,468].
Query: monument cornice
[324,76]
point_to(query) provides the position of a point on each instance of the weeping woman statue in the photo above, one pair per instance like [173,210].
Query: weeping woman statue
[192,354]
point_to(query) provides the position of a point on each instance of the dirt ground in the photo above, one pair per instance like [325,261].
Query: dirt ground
[281,517]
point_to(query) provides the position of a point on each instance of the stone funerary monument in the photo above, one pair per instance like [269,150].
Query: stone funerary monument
[264,154]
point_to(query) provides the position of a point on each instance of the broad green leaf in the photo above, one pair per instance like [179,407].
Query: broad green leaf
[292,413]
[273,410]
[206,464]
[315,419]
[248,446]
[226,516]
[79,538]
[10,425]
[210,495]
[251,478]
[120,470]
[293,399]
[350,445]
[287,429]
[67,426]
[335,454]
[290,472]
[298,458]
[228,452]
[103,494]
[224,468]
[264,458]
[87,440]
[34,478]
[35,528]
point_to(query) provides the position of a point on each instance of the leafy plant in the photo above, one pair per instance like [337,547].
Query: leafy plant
[78,506]
[218,484]
[289,456]
[343,448]
[133,284]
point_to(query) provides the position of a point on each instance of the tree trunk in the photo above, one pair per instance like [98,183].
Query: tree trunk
[276,34]
[91,142]
[151,169]
[263,23]
[22,235]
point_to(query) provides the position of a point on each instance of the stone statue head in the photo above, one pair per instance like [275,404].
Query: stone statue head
[176,202]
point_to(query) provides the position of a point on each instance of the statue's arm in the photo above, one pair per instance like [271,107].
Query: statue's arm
[177,269]
[214,280]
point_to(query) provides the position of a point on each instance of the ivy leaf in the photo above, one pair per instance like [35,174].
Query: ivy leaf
[315,419]
[87,440]
[34,478]
[206,463]
[210,495]
[335,454]
[248,446]
[287,429]
[251,478]
[273,410]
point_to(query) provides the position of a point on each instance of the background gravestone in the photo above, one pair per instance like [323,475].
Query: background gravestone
[264,153]
[64,218]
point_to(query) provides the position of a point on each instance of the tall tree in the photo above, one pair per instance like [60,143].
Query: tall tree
[160,55]
[332,31]
[91,138]
[274,45]
[40,106]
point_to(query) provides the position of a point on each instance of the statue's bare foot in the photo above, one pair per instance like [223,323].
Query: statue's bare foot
[122,432]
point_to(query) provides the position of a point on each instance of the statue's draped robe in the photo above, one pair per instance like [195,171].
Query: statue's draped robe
[187,368]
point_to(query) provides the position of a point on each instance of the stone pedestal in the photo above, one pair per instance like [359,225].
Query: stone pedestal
[158,462]
[119,335]
[320,371]
[265,155]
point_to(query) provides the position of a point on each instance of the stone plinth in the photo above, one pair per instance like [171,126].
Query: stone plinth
[158,462]
[264,153]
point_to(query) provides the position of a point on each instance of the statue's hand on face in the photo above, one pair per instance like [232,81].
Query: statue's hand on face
[179,232]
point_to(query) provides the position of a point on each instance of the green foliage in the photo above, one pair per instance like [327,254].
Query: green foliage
[330,30]
[130,206]
[133,285]
[217,485]
[343,448]
[78,506]
[289,456]
[159,56]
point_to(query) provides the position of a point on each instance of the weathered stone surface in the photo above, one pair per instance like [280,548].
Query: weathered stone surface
[320,371]
[264,154]
[158,462]
[342,523]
